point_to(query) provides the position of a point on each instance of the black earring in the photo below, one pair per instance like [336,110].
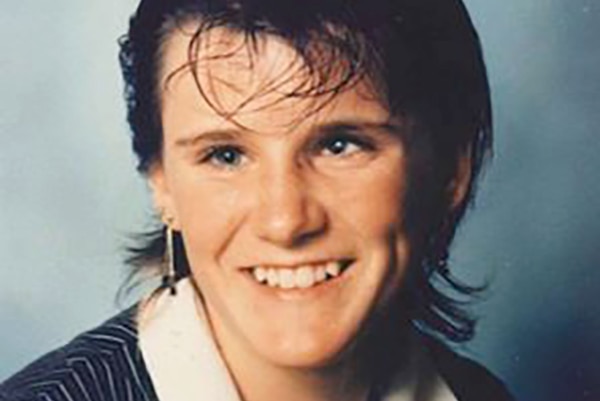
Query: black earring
[169,277]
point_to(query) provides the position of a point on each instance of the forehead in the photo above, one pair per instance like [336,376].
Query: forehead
[228,75]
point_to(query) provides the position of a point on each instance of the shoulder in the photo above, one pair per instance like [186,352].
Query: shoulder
[469,380]
[101,364]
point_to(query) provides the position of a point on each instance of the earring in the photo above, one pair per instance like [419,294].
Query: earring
[170,277]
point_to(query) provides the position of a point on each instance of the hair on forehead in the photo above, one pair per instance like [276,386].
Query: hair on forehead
[325,62]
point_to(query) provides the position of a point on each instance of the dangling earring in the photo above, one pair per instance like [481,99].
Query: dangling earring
[170,277]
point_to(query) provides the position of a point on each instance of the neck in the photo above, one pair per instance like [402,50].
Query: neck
[259,383]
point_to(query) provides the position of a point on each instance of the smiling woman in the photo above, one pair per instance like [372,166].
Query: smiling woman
[273,183]
[310,163]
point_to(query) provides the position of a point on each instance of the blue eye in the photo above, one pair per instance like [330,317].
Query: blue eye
[226,156]
[343,145]
[338,146]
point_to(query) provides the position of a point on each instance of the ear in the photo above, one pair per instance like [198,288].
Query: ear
[457,190]
[162,197]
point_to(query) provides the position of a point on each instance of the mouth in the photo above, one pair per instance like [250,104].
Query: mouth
[302,276]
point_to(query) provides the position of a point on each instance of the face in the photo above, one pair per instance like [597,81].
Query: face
[292,221]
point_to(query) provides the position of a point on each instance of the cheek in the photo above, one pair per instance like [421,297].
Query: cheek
[208,213]
[372,201]
[375,212]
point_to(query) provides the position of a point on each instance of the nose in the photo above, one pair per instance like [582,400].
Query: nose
[288,211]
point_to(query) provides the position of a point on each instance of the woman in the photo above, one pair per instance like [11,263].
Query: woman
[310,163]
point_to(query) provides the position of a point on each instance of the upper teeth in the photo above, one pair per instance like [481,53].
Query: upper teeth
[304,276]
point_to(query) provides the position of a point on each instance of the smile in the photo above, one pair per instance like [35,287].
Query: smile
[301,276]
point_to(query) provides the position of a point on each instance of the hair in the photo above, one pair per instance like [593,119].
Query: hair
[423,58]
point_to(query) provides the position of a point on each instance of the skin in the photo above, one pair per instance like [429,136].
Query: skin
[279,187]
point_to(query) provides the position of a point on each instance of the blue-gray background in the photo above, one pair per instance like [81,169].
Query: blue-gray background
[69,193]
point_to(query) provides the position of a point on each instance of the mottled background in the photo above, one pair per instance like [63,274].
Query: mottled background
[69,193]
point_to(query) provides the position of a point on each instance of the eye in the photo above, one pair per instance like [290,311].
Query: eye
[343,145]
[223,156]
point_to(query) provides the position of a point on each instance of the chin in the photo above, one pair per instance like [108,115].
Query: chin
[310,353]
[307,342]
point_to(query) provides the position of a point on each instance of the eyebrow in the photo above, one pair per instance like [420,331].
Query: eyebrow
[386,126]
[219,135]
[224,135]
